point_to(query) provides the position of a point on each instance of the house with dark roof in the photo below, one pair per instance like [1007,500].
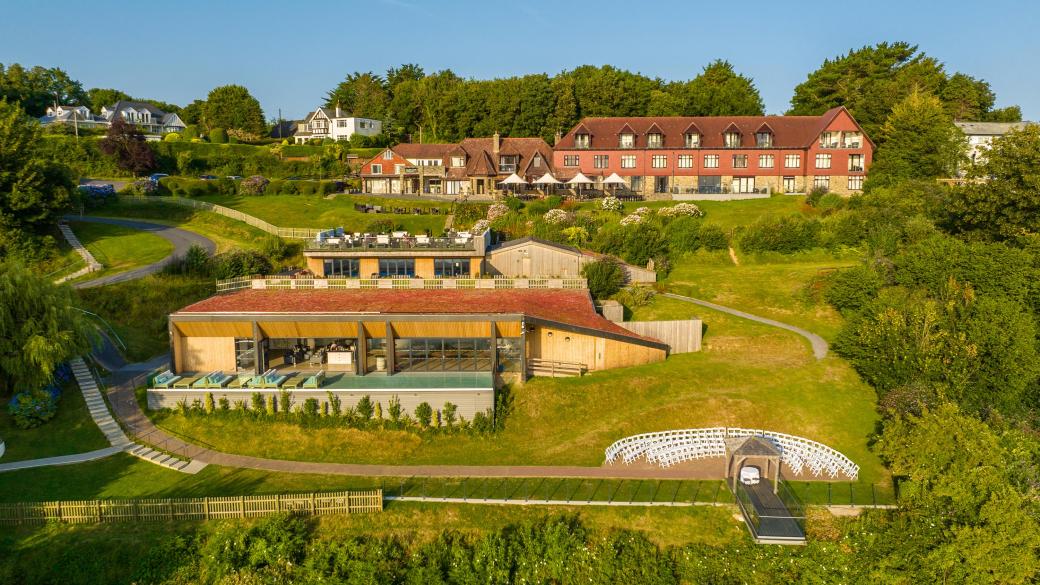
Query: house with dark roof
[719,154]
[78,116]
[413,345]
[979,137]
[474,166]
[336,124]
[148,118]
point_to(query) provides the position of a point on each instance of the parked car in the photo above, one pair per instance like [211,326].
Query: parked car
[294,178]
[750,475]
[234,177]
[155,177]
[208,177]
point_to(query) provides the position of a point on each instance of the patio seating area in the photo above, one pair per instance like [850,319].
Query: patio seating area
[338,239]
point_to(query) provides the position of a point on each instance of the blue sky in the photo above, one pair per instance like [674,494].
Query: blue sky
[290,53]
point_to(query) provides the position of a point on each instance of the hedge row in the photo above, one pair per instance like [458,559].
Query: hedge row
[190,187]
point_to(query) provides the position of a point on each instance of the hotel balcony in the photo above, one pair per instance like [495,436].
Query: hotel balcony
[381,243]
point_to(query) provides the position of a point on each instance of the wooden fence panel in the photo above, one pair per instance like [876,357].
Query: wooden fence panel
[93,511]
[681,336]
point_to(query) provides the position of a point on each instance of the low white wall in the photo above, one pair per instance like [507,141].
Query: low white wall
[468,400]
[719,196]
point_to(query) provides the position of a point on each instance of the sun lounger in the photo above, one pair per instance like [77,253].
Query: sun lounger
[165,380]
[315,381]
[186,383]
[292,381]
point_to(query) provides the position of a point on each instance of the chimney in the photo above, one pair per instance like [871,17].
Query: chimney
[557,138]
[339,112]
[496,143]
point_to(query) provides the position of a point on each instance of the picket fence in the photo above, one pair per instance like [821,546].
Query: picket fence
[94,511]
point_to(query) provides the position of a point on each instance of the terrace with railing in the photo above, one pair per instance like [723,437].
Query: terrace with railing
[338,240]
[308,283]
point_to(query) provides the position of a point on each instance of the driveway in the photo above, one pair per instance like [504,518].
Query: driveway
[181,240]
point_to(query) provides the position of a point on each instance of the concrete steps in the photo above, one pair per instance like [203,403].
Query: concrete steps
[114,433]
[92,264]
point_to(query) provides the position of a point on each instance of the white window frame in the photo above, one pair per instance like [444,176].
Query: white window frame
[692,140]
[377,168]
[654,140]
[685,161]
[823,161]
[711,161]
[821,181]
[856,183]
[766,161]
[731,139]
[627,140]
[792,158]
[628,161]
[659,161]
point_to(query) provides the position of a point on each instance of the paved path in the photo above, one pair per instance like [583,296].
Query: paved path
[819,344]
[181,240]
[61,459]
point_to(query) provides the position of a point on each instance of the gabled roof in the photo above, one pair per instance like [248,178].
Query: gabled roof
[426,151]
[654,128]
[788,131]
[626,129]
[988,128]
[692,129]
[139,106]
[732,128]
[567,307]
[765,127]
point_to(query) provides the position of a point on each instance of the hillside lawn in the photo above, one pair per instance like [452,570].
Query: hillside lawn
[119,248]
[70,431]
[228,234]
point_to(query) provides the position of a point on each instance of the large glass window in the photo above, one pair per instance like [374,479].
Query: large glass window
[731,139]
[692,140]
[763,139]
[442,354]
[627,140]
[509,349]
[451,267]
[792,161]
[245,354]
[628,161]
[659,161]
[343,267]
[765,161]
[740,161]
[396,267]
[685,161]
[711,161]
[856,162]
[654,140]
[823,161]
[376,354]
[600,161]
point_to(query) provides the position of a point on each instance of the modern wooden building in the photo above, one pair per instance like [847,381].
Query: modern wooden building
[532,257]
[719,154]
[420,345]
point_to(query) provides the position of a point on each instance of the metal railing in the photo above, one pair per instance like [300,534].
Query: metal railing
[279,283]
[375,243]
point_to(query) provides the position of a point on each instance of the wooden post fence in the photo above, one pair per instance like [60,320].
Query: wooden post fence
[96,511]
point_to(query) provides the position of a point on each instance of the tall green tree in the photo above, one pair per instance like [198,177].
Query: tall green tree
[232,107]
[98,97]
[38,87]
[361,94]
[39,328]
[721,91]
[1006,201]
[966,98]
[919,142]
[34,191]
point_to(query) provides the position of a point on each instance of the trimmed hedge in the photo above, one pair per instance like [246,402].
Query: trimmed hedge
[783,234]
[189,187]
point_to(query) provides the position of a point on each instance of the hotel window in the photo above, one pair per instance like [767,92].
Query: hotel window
[764,139]
[388,155]
[245,354]
[451,267]
[856,162]
[509,349]
[823,161]
[765,161]
[628,161]
[659,161]
[790,186]
[536,162]
[627,140]
[377,169]
[821,182]
[654,140]
[856,183]
[731,139]
[507,163]
[829,139]
[711,161]
[637,184]
[396,267]
[740,161]
[442,354]
[600,161]
[581,141]
[398,169]
[342,267]
[792,161]
[692,140]
[458,161]
[341,123]
[570,160]
[852,139]
[743,184]
[685,161]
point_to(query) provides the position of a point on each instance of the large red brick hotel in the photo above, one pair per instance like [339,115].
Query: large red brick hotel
[724,154]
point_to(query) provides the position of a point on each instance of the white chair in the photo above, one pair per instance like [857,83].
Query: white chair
[399,234]
[383,240]
[422,240]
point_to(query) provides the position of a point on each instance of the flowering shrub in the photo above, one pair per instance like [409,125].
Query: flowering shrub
[480,226]
[255,185]
[556,217]
[631,219]
[681,210]
[32,409]
[143,187]
[642,211]
[496,211]
[612,204]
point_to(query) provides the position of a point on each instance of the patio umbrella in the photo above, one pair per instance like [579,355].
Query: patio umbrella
[579,180]
[513,179]
[614,180]
[547,179]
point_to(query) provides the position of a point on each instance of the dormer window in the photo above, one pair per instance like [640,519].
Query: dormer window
[731,139]
[764,139]
[627,140]
[388,155]
[536,162]
[458,161]
[654,140]
[581,140]
[692,140]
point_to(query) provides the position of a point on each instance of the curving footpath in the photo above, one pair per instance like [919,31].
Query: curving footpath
[819,344]
[181,240]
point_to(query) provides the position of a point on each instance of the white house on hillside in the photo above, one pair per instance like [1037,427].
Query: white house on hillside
[332,123]
[980,136]
[150,119]
[79,116]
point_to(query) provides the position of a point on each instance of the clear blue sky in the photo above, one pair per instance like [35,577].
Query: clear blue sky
[289,53]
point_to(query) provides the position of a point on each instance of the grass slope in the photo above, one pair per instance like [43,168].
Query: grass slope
[228,234]
[119,248]
[70,431]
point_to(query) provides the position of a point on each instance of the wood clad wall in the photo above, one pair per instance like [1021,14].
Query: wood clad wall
[215,328]
[681,336]
[205,354]
[424,267]
[597,353]
[442,329]
[534,260]
[316,265]
[367,267]
[375,329]
[302,329]
[507,329]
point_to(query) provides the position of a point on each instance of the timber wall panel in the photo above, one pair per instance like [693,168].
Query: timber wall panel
[507,329]
[681,336]
[215,328]
[534,260]
[206,354]
[308,329]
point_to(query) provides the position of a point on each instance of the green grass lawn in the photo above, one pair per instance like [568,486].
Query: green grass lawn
[748,375]
[228,234]
[70,431]
[308,211]
[769,289]
[119,248]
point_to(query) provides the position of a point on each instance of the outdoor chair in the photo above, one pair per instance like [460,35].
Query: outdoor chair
[291,381]
[203,382]
[422,240]
[186,383]
[399,234]
[165,380]
[383,240]
[240,381]
[218,380]
[315,381]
